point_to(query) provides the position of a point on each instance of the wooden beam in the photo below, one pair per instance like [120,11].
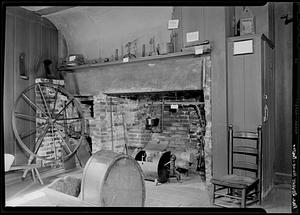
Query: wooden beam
[51,10]
[176,103]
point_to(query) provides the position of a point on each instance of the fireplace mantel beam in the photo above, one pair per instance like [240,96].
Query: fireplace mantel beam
[176,103]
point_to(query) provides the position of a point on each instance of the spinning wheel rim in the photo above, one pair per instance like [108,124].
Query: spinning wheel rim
[50,121]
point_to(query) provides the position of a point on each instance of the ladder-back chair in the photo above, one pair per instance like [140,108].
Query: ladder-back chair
[237,190]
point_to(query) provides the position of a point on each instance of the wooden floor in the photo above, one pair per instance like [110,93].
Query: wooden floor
[190,193]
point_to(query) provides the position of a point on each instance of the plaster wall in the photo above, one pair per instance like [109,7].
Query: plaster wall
[96,32]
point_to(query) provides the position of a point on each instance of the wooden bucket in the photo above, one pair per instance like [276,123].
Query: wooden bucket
[113,180]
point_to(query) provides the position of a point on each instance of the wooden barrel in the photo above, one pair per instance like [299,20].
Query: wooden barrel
[113,180]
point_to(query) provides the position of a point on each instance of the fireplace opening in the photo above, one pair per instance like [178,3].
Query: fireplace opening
[173,120]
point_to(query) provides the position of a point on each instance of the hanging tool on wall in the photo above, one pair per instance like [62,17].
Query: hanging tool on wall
[22,67]
[286,18]
[125,133]
[47,69]
[162,115]
[111,124]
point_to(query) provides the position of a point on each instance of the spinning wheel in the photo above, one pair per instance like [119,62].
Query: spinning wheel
[45,116]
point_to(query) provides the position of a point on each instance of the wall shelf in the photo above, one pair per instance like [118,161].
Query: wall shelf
[140,59]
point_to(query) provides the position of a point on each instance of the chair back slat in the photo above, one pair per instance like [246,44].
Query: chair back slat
[236,147]
[245,150]
[245,135]
[243,165]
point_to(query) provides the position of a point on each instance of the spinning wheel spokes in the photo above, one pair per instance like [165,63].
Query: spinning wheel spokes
[32,103]
[31,132]
[46,115]
[44,101]
[27,117]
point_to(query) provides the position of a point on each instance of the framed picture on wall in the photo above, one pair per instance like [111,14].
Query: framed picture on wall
[22,69]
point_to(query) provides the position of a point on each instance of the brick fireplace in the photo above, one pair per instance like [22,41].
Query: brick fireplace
[184,120]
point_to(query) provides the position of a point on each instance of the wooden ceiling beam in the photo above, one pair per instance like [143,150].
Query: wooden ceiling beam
[54,9]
